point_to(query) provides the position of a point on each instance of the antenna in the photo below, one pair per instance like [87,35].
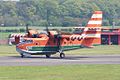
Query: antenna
[47,18]
[27,28]
[113,25]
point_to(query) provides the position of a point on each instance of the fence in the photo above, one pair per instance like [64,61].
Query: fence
[6,31]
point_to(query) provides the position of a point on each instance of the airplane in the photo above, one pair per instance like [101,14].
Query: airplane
[52,42]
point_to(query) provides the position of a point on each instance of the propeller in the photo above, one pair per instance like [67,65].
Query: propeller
[31,32]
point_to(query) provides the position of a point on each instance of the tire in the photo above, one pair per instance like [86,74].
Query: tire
[22,56]
[62,55]
[48,55]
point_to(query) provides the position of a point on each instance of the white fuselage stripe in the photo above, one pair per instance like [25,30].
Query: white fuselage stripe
[85,35]
[87,28]
[97,16]
[93,35]
[26,51]
[94,22]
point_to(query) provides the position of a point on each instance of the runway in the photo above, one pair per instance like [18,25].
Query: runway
[55,60]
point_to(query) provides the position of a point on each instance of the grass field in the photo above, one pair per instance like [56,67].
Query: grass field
[101,49]
[6,50]
[73,72]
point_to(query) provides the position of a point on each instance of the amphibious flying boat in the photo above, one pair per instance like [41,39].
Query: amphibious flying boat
[52,42]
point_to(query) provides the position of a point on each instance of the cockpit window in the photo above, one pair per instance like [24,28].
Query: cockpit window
[27,41]
[34,35]
[78,31]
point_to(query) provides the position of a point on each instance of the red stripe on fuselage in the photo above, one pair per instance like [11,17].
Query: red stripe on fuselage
[97,12]
[95,19]
[92,32]
[93,25]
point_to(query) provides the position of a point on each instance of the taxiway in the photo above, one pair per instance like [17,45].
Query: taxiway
[69,60]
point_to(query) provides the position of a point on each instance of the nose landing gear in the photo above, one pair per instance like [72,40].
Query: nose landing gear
[48,55]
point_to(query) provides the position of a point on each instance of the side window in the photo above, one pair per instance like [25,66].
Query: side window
[34,36]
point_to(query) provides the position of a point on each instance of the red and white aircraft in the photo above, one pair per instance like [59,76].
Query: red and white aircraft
[52,42]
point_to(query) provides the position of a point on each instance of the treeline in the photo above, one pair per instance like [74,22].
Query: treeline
[57,12]
[13,30]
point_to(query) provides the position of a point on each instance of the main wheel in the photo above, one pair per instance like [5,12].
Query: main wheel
[62,55]
[48,55]
[22,56]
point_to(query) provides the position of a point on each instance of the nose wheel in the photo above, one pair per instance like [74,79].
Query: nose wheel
[48,55]
[22,56]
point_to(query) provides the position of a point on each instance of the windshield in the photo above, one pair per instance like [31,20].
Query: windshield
[26,41]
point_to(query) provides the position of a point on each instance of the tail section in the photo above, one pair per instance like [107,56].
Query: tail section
[96,19]
[93,30]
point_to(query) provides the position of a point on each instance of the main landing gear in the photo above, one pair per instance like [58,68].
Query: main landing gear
[62,55]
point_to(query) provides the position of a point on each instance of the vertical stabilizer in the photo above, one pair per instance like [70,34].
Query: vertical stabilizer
[93,30]
[96,19]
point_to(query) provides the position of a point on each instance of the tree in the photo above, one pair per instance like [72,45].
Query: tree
[57,12]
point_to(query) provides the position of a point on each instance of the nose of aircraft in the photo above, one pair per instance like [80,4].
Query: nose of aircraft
[20,46]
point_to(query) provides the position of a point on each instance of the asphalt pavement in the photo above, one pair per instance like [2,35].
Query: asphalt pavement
[55,60]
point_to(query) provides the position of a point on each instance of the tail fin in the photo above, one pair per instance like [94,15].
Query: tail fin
[93,29]
[96,19]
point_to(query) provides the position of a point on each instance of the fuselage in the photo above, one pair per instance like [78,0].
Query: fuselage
[51,44]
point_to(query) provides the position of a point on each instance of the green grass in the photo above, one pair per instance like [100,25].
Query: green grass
[4,35]
[73,72]
[6,50]
[101,49]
